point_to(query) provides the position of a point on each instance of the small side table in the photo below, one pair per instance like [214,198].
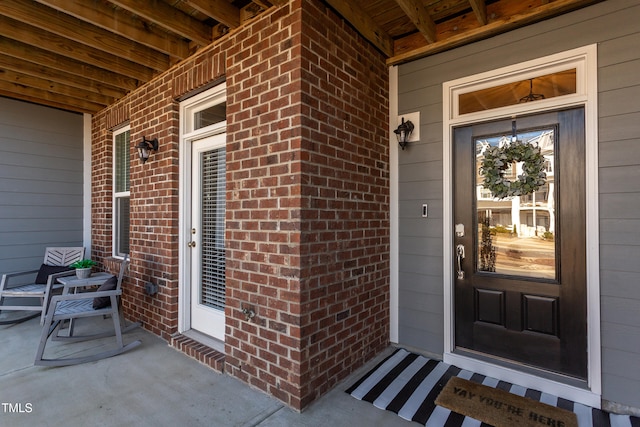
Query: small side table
[94,280]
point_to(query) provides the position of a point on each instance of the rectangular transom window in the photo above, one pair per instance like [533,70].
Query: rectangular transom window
[534,89]
[209,116]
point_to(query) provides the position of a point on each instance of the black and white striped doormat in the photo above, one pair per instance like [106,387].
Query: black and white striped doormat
[408,384]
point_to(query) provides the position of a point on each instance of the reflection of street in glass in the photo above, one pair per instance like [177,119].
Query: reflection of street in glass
[530,257]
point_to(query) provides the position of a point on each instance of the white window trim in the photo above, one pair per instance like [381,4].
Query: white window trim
[188,109]
[116,195]
[584,59]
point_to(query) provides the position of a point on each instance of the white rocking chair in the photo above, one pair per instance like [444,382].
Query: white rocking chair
[38,286]
[74,306]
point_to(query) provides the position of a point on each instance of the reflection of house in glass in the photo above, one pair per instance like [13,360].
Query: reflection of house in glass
[528,215]
[521,227]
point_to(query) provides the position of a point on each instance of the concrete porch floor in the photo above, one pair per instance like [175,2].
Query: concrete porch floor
[152,385]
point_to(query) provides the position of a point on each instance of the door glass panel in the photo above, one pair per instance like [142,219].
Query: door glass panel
[516,234]
[534,89]
[209,116]
[213,223]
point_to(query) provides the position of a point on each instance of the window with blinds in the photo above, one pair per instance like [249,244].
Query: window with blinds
[213,168]
[122,164]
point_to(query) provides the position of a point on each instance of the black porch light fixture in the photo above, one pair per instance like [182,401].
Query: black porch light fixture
[145,147]
[403,132]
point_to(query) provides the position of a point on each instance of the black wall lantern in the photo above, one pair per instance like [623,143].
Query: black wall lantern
[403,132]
[145,147]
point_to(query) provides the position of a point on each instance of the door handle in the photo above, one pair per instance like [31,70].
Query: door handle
[191,244]
[460,257]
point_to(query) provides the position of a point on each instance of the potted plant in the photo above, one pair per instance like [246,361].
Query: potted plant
[83,268]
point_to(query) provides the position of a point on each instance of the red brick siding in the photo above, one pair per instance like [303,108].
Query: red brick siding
[307,202]
[152,111]
[345,240]
[263,201]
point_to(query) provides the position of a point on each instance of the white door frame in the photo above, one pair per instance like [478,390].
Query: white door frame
[585,61]
[188,135]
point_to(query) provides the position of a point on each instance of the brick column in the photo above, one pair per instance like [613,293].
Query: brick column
[308,203]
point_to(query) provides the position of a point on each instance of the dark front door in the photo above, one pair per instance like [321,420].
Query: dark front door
[520,260]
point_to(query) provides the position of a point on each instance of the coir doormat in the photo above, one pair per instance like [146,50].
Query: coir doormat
[500,408]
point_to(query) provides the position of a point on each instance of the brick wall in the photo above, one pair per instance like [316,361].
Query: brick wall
[263,205]
[308,204]
[345,235]
[152,111]
[307,198]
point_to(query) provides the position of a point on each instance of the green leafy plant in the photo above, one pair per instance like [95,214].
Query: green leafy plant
[487,249]
[85,263]
[501,229]
[497,160]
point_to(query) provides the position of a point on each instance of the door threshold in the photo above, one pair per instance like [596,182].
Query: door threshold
[471,362]
[200,347]
[204,339]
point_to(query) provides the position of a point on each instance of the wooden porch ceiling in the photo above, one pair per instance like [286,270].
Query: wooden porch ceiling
[82,55]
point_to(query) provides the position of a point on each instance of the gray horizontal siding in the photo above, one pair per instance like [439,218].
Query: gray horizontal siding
[41,187]
[619,110]
[613,25]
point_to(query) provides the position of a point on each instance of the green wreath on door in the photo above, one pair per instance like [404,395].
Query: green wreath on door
[497,160]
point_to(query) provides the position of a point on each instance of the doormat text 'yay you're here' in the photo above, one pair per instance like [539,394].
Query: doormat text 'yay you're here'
[500,408]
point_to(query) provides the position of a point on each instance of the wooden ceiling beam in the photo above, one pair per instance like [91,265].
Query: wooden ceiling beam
[364,24]
[169,18]
[220,10]
[407,49]
[72,28]
[72,67]
[263,4]
[56,88]
[43,97]
[34,36]
[44,73]
[480,9]
[420,17]
[124,24]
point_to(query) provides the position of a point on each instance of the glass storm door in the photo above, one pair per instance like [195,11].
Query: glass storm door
[207,236]
[520,260]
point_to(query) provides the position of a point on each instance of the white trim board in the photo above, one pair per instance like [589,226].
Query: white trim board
[188,108]
[394,214]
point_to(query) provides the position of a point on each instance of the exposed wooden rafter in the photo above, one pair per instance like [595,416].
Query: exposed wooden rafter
[83,55]
[169,18]
[220,10]
[70,48]
[364,24]
[506,16]
[420,17]
[480,9]
[123,24]
[89,35]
